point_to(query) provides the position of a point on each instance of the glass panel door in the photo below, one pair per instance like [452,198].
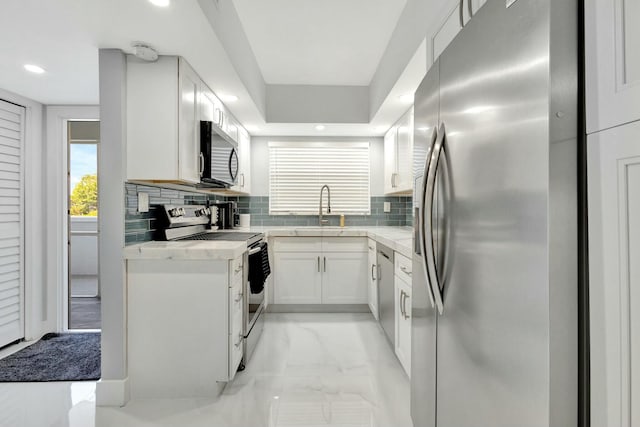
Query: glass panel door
[84,289]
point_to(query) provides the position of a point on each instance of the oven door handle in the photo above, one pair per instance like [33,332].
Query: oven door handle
[255,250]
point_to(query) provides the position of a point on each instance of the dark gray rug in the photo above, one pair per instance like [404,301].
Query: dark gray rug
[56,357]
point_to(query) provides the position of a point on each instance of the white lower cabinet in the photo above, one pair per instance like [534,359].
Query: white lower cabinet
[298,278]
[372,279]
[184,326]
[320,270]
[344,278]
[403,323]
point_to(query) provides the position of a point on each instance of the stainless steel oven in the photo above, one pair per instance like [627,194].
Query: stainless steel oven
[254,305]
[190,222]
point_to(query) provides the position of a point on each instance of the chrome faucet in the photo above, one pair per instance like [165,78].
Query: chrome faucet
[324,221]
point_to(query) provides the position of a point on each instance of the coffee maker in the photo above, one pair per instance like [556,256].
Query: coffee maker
[227,215]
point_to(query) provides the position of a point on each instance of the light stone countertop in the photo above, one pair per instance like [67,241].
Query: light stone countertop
[397,238]
[186,249]
[400,239]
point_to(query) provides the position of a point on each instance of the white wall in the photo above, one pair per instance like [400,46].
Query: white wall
[420,19]
[260,160]
[317,104]
[84,247]
[40,301]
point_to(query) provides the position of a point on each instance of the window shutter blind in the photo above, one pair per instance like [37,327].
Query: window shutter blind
[298,171]
[11,229]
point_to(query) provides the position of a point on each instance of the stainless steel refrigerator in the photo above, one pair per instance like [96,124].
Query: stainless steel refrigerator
[494,328]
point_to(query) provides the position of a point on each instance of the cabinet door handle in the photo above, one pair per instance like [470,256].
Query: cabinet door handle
[318,264]
[401,302]
[461,10]
[406,297]
[201,168]
[242,180]
[239,297]
[239,340]
[373,267]
[325,263]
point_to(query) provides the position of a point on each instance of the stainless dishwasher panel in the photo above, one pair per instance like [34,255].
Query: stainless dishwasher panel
[384,258]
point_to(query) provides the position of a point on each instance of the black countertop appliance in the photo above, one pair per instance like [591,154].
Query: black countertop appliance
[227,215]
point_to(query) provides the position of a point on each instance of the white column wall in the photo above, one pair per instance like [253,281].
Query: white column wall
[112,389]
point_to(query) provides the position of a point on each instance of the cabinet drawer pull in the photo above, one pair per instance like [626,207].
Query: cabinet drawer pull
[373,267]
[405,271]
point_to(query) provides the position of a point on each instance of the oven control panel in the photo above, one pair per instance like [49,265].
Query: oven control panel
[183,215]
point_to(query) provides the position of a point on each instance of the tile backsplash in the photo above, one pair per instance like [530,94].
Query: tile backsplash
[141,227]
[258,207]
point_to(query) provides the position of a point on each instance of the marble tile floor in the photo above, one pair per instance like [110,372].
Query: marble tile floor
[308,370]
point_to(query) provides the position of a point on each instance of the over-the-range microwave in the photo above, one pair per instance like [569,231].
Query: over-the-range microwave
[218,157]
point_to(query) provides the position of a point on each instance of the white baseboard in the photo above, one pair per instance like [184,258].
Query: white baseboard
[112,392]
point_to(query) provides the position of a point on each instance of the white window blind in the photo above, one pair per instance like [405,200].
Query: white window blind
[11,229]
[298,170]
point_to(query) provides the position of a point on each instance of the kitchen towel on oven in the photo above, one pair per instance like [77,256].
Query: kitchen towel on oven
[259,268]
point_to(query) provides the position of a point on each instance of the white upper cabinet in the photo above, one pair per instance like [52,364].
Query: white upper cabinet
[477,4]
[612,56]
[188,123]
[162,120]
[398,156]
[243,183]
[614,274]
[451,25]
[166,100]
[447,32]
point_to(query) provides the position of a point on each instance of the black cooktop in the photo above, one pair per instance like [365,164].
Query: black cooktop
[229,236]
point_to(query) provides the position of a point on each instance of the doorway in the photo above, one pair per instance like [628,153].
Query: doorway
[83,284]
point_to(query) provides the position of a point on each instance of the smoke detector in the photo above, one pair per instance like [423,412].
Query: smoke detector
[145,52]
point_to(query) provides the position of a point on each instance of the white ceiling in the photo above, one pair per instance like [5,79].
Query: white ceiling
[327,42]
[64,36]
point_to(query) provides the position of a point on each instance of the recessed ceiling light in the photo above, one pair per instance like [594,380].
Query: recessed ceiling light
[229,98]
[160,3]
[320,127]
[423,129]
[407,97]
[33,68]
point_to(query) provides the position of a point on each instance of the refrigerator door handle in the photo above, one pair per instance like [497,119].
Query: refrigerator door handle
[422,234]
[428,249]
[470,8]
[461,11]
